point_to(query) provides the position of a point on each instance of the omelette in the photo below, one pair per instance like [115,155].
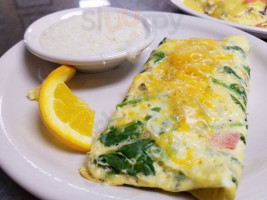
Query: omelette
[183,124]
[246,12]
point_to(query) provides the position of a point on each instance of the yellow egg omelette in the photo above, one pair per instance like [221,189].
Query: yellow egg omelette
[246,12]
[183,124]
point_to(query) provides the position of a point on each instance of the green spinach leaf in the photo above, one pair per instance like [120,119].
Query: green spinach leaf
[130,102]
[137,148]
[156,109]
[236,48]
[116,135]
[238,89]
[159,56]
[163,41]
[230,71]
[242,137]
[238,103]
[119,161]
[247,69]
[148,117]
[115,161]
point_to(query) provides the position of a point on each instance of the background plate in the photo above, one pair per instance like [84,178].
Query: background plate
[259,32]
[37,161]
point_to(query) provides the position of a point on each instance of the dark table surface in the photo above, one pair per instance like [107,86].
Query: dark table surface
[17,15]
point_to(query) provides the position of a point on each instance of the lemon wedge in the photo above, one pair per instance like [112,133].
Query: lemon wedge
[66,116]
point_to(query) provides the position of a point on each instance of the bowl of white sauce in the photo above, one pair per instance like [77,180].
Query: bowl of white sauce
[90,39]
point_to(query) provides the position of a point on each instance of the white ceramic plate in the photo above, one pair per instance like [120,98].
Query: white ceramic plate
[257,31]
[45,167]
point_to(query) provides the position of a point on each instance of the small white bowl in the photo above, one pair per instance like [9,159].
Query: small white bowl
[89,64]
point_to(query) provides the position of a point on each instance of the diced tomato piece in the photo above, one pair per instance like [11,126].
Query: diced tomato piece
[251,1]
[260,26]
[227,141]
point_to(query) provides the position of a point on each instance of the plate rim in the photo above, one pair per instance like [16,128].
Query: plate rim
[180,5]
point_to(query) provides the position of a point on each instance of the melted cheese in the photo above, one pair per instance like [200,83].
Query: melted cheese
[188,93]
[246,12]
